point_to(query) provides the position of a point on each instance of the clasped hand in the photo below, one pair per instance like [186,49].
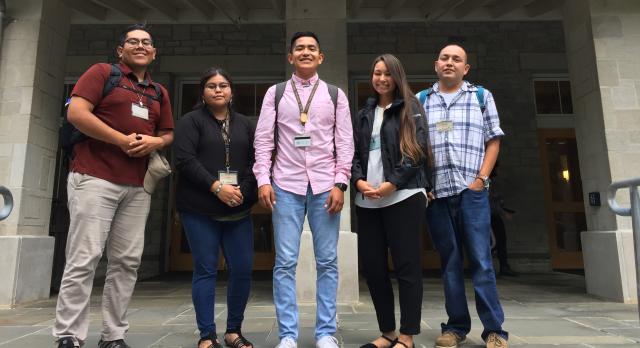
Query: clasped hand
[230,195]
[140,145]
[385,189]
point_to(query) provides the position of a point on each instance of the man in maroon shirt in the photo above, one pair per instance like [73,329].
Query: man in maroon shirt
[107,203]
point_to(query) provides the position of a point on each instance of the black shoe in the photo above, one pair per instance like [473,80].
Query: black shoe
[65,342]
[113,344]
[507,272]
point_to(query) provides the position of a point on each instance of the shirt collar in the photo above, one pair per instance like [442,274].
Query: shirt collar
[299,81]
[466,87]
[126,71]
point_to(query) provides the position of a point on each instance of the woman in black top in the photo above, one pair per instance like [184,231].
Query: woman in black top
[216,189]
[390,174]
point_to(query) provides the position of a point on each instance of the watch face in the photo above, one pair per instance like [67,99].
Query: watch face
[341,186]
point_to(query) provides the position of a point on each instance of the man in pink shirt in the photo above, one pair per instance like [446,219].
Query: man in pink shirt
[311,132]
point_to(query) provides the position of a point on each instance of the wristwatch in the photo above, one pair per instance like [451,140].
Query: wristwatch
[341,186]
[485,181]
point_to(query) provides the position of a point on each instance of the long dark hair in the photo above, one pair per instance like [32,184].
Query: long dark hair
[206,75]
[409,146]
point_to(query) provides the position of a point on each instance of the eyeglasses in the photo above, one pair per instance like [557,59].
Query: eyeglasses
[222,86]
[135,42]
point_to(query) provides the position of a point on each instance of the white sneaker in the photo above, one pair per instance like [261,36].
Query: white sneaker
[287,342]
[327,342]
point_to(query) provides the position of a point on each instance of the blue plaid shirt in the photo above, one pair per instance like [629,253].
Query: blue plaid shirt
[458,153]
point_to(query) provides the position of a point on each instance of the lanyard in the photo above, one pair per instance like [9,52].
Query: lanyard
[304,113]
[140,94]
[224,129]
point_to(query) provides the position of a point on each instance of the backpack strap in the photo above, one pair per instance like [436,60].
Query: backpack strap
[113,81]
[333,93]
[280,87]
[115,76]
[158,96]
[422,95]
[480,96]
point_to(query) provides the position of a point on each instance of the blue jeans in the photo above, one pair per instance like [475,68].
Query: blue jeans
[462,223]
[206,236]
[288,218]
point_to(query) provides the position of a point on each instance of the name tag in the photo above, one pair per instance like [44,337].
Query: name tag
[139,111]
[444,126]
[302,140]
[228,178]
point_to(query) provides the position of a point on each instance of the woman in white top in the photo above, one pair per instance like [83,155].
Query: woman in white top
[389,171]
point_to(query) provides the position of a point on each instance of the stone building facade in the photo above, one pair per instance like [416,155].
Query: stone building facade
[589,44]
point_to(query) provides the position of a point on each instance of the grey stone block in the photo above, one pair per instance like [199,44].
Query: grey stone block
[606,27]
[26,267]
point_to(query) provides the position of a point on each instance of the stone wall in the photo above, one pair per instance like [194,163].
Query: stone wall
[184,39]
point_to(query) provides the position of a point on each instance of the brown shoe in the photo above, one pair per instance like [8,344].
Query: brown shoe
[449,339]
[496,341]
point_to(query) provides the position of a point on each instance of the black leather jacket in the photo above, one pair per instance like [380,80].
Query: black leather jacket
[397,169]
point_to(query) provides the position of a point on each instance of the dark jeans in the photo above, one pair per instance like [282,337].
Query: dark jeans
[206,236]
[462,223]
[395,228]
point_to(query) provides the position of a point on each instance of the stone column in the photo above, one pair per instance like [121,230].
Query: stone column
[328,19]
[31,79]
[602,49]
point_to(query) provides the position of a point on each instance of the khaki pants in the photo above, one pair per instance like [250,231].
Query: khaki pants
[102,215]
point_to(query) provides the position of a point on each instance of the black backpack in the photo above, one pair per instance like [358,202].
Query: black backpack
[69,135]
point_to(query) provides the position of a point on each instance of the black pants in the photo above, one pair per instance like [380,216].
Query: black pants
[497,225]
[395,228]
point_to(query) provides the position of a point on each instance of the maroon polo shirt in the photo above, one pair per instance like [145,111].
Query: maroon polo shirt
[107,161]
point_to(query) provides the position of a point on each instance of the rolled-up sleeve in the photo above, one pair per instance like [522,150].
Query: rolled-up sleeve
[344,140]
[263,142]
[491,121]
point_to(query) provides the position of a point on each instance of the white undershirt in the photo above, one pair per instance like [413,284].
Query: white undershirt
[375,171]
[448,97]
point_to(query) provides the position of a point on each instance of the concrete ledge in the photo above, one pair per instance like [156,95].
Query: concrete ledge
[25,268]
[609,265]
[348,286]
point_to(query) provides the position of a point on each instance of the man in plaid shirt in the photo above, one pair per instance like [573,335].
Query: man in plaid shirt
[465,133]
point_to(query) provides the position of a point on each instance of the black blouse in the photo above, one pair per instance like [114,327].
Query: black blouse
[200,153]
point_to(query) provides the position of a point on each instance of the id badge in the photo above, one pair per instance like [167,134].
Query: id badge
[444,126]
[302,140]
[139,111]
[228,178]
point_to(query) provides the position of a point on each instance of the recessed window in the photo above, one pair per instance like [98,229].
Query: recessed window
[553,97]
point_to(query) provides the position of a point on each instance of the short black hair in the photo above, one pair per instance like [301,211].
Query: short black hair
[300,34]
[137,26]
[452,43]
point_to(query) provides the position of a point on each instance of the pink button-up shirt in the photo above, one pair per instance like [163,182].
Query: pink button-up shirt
[295,168]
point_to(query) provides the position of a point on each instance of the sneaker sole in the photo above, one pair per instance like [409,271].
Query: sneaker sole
[456,346]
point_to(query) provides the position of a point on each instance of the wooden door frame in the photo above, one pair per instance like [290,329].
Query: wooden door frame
[560,259]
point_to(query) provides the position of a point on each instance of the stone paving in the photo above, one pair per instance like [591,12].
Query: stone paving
[542,310]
